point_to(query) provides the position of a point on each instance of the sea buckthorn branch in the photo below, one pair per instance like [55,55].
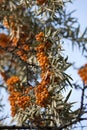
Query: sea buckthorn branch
[46,93]
[28,101]
[45,79]
[41,92]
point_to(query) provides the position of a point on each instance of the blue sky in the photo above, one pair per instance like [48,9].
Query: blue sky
[75,56]
[81,9]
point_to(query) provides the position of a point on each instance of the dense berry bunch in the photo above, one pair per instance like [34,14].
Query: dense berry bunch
[42,95]
[13,101]
[19,97]
[13,80]
[41,91]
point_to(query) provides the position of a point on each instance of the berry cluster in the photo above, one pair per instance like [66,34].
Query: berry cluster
[83,73]
[18,99]
[41,91]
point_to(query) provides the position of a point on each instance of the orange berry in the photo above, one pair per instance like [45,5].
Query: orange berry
[4,40]
[40,36]
[40,2]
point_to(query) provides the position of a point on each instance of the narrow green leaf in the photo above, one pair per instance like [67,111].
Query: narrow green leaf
[68,96]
